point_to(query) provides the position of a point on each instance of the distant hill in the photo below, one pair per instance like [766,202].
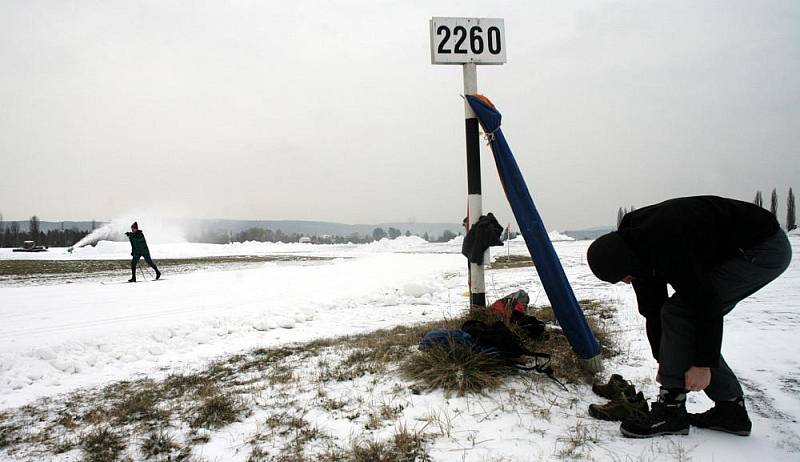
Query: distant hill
[589,233]
[319,228]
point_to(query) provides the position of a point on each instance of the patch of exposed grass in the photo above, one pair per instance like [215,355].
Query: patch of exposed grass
[217,408]
[103,445]
[455,368]
[203,401]
[142,405]
[566,363]
[51,271]
[10,431]
[160,444]
[404,446]
[510,261]
[577,442]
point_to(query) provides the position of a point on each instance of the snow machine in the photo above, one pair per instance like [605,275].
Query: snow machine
[30,246]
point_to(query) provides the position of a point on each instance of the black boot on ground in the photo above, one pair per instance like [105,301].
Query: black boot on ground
[667,416]
[158,274]
[725,416]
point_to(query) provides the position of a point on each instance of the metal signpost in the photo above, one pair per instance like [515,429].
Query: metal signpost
[469,42]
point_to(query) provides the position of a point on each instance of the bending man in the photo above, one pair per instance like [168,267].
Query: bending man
[714,252]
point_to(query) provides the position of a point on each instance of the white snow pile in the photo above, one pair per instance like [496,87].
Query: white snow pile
[400,244]
[554,236]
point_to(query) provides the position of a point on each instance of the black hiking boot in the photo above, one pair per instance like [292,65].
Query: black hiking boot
[667,417]
[158,275]
[132,280]
[620,409]
[725,416]
[616,388]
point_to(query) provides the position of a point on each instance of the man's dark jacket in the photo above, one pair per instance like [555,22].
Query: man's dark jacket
[138,243]
[679,241]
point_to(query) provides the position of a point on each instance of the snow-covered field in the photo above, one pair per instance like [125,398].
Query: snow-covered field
[56,338]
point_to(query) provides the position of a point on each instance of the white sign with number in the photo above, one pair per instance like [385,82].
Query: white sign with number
[468,40]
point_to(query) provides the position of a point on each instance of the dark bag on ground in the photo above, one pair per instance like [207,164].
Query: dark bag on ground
[498,337]
[495,340]
[514,307]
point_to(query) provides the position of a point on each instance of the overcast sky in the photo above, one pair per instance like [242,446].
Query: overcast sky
[332,111]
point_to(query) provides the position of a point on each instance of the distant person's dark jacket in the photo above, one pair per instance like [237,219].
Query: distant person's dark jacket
[679,241]
[138,243]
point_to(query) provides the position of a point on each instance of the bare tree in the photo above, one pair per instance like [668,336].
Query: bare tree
[791,218]
[378,234]
[773,202]
[33,227]
[3,231]
[13,233]
[759,201]
[620,214]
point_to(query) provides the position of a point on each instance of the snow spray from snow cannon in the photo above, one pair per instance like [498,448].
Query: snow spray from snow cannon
[548,266]
[159,230]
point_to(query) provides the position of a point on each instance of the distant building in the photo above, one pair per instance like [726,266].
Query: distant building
[305,240]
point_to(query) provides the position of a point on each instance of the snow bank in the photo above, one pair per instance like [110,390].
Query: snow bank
[400,244]
[554,236]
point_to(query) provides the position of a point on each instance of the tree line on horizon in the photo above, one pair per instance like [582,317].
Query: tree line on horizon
[12,236]
[267,235]
[791,214]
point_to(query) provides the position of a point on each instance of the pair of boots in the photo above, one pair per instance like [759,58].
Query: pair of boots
[668,416]
[624,403]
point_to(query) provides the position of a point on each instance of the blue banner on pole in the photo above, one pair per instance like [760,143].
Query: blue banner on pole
[559,292]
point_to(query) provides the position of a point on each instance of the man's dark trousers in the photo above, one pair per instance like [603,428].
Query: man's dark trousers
[135,262]
[734,279]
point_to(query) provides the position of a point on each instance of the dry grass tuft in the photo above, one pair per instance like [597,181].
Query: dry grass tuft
[404,446]
[455,368]
[102,445]
[217,409]
[159,444]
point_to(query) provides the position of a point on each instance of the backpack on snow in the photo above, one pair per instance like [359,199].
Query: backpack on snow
[514,307]
[496,340]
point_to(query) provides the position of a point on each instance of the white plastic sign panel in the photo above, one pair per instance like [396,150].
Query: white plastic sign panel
[468,40]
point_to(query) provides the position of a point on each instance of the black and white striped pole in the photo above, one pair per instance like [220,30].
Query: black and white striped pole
[477,284]
[469,42]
